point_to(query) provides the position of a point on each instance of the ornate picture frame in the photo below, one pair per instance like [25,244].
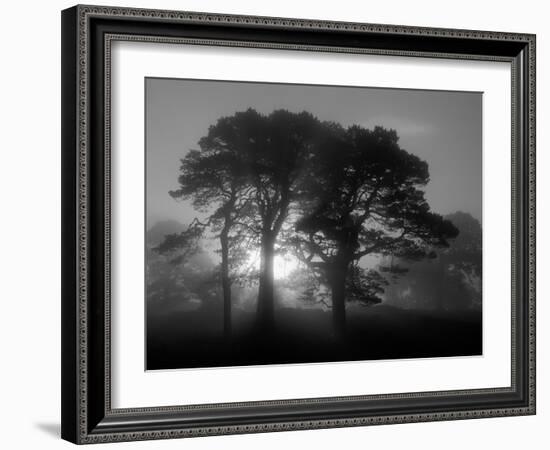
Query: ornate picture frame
[88,415]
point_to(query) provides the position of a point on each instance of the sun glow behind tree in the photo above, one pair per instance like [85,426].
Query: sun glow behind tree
[283,264]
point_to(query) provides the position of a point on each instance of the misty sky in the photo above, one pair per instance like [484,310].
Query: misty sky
[443,128]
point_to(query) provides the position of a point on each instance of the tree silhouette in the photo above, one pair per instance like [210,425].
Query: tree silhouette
[273,150]
[335,195]
[364,198]
[215,179]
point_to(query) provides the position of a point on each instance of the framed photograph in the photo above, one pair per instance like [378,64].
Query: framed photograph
[279,224]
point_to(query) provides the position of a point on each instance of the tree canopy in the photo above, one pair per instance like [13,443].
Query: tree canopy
[332,195]
[365,198]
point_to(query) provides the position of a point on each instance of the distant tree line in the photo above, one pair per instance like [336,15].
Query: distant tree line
[329,194]
[452,281]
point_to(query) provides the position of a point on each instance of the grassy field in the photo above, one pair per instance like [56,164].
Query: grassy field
[188,339]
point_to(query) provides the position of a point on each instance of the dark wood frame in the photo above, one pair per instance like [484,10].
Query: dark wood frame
[87,32]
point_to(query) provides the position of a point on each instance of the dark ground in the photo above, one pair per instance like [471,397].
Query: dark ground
[194,339]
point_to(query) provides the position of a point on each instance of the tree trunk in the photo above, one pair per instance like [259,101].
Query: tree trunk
[338,289]
[226,284]
[266,291]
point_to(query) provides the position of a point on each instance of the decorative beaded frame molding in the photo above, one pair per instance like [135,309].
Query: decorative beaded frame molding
[88,32]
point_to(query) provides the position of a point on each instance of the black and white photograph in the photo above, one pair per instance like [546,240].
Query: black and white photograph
[291,223]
